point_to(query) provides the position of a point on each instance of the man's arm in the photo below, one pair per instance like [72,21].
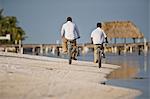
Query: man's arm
[62,31]
[92,37]
[77,31]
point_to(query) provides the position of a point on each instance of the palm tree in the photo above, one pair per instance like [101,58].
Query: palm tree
[1,17]
[20,35]
[8,25]
[1,11]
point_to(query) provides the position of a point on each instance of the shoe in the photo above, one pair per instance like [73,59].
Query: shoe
[96,61]
[65,52]
[103,55]
[74,58]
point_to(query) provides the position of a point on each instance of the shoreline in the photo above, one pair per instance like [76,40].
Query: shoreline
[39,77]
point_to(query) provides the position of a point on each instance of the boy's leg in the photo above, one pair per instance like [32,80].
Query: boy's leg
[95,54]
[103,53]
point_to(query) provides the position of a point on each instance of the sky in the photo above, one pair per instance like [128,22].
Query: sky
[149,21]
[42,19]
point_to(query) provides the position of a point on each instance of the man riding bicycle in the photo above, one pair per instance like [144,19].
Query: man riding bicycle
[98,37]
[69,31]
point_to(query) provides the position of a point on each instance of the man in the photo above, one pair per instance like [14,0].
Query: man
[97,37]
[69,31]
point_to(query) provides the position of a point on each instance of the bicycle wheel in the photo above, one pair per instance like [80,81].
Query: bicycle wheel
[99,58]
[69,53]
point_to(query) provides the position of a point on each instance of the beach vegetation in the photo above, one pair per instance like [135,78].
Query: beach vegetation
[9,25]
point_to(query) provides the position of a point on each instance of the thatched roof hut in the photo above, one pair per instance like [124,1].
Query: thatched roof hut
[121,29]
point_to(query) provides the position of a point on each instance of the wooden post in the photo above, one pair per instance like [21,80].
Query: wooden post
[139,51]
[114,49]
[21,50]
[145,46]
[6,50]
[131,50]
[119,51]
[46,50]
[53,50]
[57,49]
[20,47]
[33,50]
[145,49]
[41,49]
[125,48]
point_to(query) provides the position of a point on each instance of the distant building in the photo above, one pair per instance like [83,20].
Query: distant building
[122,29]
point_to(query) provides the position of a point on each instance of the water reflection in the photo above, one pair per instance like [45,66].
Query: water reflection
[124,73]
[134,72]
[131,65]
[145,63]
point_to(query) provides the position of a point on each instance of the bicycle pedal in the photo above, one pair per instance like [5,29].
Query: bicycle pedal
[74,58]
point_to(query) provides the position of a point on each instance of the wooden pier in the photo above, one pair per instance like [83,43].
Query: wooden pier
[57,48]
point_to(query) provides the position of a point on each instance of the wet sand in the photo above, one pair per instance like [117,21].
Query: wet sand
[37,77]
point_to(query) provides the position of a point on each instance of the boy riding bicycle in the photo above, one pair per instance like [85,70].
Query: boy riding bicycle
[98,37]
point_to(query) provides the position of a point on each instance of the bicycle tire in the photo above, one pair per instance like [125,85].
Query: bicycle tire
[70,60]
[100,58]
[69,53]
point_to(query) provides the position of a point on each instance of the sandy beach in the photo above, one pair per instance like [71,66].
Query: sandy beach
[38,77]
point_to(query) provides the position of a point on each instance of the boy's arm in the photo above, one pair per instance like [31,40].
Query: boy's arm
[106,40]
[91,40]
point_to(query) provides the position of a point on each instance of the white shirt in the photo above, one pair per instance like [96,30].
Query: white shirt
[98,36]
[70,31]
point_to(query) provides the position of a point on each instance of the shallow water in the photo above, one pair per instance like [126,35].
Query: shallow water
[134,71]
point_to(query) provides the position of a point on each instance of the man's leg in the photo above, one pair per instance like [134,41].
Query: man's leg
[95,54]
[64,45]
[74,53]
